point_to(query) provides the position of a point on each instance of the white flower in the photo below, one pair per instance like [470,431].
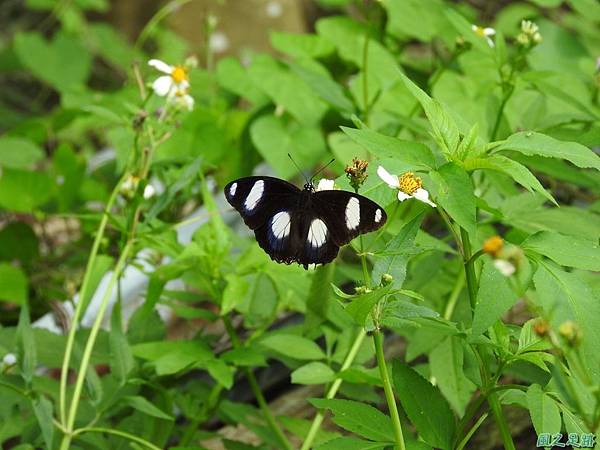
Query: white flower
[149,191]
[484,33]
[176,78]
[408,186]
[9,359]
[274,9]
[218,42]
[182,98]
[505,267]
[325,185]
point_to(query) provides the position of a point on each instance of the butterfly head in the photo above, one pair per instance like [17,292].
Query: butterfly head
[309,186]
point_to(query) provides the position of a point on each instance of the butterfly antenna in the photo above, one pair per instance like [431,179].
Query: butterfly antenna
[321,169]
[299,169]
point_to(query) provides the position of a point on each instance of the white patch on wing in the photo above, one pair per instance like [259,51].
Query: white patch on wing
[352,213]
[255,195]
[378,215]
[232,189]
[281,224]
[317,233]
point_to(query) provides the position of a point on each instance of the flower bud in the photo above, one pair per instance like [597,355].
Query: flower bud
[570,331]
[357,172]
[386,279]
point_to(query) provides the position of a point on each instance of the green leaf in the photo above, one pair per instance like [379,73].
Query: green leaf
[325,87]
[446,362]
[42,407]
[13,284]
[24,191]
[313,373]
[381,146]
[301,45]
[63,63]
[362,305]
[432,418]
[494,298]
[287,90]
[244,357]
[455,194]
[531,143]
[233,77]
[396,253]
[121,358]
[221,372]
[19,153]
[274,141]
[349,443]
[445,130]
[517,171]
[234,292]
[169,357]
[417,19]
[566,296]
[568,251]
[27,353]
[293,346]
[143,405]
[18,242]
[543,410]
[359,418]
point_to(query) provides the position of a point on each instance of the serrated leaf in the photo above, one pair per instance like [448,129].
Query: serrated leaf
[432,418]
[44,411]
[27,352]
[455,194]
[494,298]
[143,405]
[361,306]
[349,443]
[531,143]
[543,410]
[359,418]
[568,251]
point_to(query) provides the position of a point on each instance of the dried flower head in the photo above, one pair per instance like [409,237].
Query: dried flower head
[357,172]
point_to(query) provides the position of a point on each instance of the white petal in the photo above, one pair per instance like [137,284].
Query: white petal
[489,31]
[504,267]
[325,184]
[9,359]
[188,101]
[160,65]
[490,42]
[162,85]
[474,27]
[402,196]
[422,195]
[149,191]
[391,180]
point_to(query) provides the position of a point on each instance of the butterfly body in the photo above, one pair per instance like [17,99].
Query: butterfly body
[301,225]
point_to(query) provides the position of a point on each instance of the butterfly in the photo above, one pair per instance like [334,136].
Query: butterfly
[304,226]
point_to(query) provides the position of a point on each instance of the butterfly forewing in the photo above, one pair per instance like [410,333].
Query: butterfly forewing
[303,226]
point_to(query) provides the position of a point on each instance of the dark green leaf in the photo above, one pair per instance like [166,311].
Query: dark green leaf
[568,251]
[143,405]
[361,306]
[13,284]
[455,194]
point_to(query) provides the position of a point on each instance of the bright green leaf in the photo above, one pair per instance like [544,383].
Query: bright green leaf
[293,346]
[313,373]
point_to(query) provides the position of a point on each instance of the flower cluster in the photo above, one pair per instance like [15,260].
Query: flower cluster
[174,85]
[529,35]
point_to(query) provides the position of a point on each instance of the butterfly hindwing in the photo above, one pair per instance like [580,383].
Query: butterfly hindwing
[303,226]
[347,214]
[258,198]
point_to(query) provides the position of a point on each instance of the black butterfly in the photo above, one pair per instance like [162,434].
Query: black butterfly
[303,226]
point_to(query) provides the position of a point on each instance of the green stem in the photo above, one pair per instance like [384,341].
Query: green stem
[469,268]
[471,432]
[387,388]
[505,99]
[131,437]
[83,367]
[332,391]
[262,403]
[80,304]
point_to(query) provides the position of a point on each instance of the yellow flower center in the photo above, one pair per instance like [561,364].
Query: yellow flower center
[408,183]
[493,245]
[179,74]
[479,31]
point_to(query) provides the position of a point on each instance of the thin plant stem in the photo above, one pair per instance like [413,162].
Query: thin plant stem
[131,437]
[162,13]
[469,268]
[90,344]
[505,99]
[472,431]
[387,388]
[80,304]
[262,403]
[332,391]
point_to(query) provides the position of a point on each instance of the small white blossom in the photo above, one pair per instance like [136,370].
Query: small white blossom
[325,185]
[218,42]
[484,33]
[407,184]
[9,359]
[176,78]
[505,267]
[274,9]
[530,34]
[181,98]
[149,191]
